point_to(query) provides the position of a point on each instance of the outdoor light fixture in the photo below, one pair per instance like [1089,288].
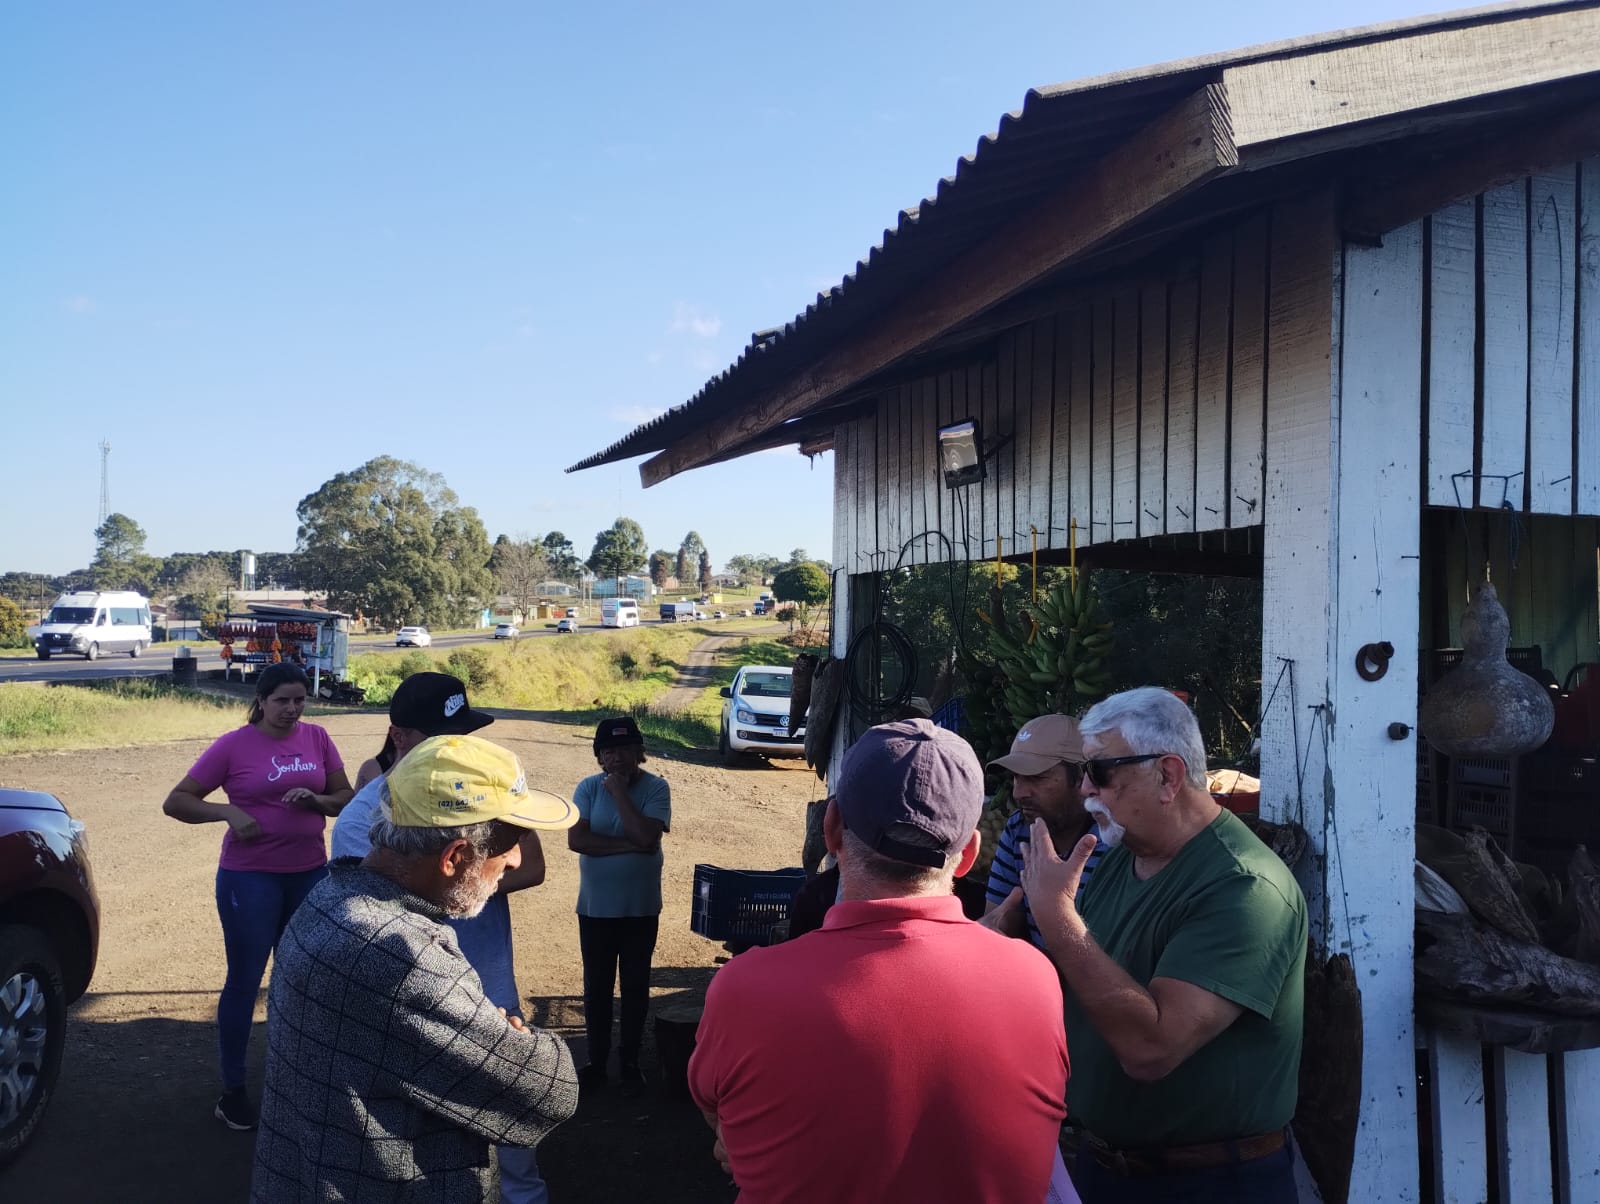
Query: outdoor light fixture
[961,453]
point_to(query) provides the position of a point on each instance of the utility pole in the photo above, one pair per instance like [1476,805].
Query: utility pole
[105,482]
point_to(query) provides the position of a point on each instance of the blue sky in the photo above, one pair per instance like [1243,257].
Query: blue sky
[254,246]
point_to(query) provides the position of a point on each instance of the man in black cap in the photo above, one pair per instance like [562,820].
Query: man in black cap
[435,704]
[622,813]
[923,1053]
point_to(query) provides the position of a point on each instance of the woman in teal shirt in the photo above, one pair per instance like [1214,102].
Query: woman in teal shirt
[622,813]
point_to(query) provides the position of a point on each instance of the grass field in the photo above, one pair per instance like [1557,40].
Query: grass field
[112,714]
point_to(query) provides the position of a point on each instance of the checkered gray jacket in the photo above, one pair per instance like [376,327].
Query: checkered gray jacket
[389,1074]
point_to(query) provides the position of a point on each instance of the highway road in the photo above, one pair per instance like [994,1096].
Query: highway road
[159,660]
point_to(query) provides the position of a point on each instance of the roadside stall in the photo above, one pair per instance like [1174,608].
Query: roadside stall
[316,640]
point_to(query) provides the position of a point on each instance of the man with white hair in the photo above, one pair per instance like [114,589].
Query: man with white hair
[1185,971]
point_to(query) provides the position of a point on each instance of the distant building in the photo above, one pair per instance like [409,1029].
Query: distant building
[555,589]
[633,586]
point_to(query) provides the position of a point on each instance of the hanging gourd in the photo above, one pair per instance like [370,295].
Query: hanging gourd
[1484,707]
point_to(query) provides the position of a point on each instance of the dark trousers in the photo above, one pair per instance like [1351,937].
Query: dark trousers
[1268,1180]
[254,907]
[605,943]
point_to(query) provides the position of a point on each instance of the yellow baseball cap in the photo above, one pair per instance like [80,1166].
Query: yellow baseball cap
[453,781]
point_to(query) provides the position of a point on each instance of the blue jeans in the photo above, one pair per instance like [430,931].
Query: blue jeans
[254,907]
[1267,1180]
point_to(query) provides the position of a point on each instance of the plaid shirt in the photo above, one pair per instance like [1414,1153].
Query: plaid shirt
[388,1072]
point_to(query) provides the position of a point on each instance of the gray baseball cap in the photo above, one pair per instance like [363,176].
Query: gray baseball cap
[911,772]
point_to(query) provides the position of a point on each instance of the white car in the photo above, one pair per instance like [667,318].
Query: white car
[721,614]
[506,631]
[755,717]
[413,637]
[567,627]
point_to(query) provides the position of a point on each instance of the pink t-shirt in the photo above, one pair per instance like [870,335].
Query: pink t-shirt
[255,771]
[899,1054]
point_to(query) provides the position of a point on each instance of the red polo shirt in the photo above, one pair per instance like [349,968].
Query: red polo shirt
[900,1053]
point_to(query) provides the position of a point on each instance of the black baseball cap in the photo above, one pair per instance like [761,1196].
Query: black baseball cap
[911,772]
[614,732]
[435,704]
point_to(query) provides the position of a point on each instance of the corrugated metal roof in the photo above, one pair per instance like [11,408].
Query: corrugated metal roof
[1059,132]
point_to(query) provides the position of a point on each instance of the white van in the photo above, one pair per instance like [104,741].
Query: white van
[89,624]
[619,612]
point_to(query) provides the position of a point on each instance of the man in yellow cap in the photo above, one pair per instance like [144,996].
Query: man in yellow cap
[389,1073]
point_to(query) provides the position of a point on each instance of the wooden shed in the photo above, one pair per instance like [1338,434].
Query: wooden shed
[1330,307]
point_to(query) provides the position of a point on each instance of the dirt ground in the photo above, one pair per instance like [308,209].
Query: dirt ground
[132,1120]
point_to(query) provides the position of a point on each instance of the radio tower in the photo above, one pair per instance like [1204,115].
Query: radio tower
[105,481]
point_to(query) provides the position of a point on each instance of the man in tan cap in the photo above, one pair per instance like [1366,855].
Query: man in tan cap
[389,1072]
[1046,767]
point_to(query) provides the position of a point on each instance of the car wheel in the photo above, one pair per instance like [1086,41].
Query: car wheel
[137,648]
[32,1033]
[44,653]
[93,654]
[726,750]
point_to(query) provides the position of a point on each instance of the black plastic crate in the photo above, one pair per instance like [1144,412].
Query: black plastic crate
[1493,810]
[1559,817]
[1496,772]
[1436,662]
[1578,776]
[742,905]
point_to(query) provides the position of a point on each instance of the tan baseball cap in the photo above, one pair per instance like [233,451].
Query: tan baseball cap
[1041,744]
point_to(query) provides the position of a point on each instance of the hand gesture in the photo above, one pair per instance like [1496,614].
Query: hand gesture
[514,1021]
[301,797]
[1007,918]
[616,784]
[1051,883]
[720,1153]
[242,824]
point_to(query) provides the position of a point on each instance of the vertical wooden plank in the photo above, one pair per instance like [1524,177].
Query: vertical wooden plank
[1098,528]
[1151,516]
[1041,406]
[1453,308]
[888,495]
[1211,398]
[1014,455]
[973,498]
[1503,439]
[1372,837]
[1580,1073]
[866,488]
[1182,315]
[1588,338]
[1080,490]
[1522,1124]
[844,498]
[988,399]
[1125,417]
[932,481]
[1460,1170]
[1247,401]
[1552,300]
[1297,579]
[1061,429]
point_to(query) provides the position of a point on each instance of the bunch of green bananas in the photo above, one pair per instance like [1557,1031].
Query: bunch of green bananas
[1057,661]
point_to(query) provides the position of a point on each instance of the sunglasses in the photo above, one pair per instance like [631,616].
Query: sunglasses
[1099,769]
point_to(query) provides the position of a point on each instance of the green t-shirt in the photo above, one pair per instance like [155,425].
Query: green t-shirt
[1226,915]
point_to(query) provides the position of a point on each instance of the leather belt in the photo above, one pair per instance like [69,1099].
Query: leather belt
[1143,1162]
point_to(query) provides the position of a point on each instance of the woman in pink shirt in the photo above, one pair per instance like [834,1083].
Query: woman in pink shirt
[282,779]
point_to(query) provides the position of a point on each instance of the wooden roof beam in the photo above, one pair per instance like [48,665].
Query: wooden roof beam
[1175,154]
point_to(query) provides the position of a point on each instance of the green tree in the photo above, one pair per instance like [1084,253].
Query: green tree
[30,591]
[119,559]
[680,569]
[619,550]
[564,562]
[392,540]
[660,568]
[277,570]
[803,583]
[13,627]
[705,571]
[202,588]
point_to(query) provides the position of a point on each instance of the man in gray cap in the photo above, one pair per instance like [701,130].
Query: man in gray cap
[924,1053]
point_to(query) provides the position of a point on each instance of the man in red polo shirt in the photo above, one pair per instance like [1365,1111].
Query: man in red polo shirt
[901,1052]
